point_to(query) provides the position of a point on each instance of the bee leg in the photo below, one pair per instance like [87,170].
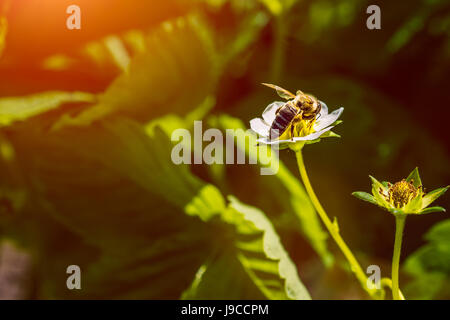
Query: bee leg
[293,125]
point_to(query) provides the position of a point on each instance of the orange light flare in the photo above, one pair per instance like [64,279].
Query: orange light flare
[37,29]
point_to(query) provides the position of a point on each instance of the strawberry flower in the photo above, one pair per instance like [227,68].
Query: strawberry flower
[404,197]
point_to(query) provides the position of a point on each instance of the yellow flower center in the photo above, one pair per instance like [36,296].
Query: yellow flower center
[401,193]
[302,128]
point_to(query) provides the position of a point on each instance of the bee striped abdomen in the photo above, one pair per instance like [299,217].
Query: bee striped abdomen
[282,120]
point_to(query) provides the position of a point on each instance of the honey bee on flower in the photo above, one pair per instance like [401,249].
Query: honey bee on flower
[301,118]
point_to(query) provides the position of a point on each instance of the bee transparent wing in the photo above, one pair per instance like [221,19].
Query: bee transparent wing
[324,110]
[283,93]
[269,113]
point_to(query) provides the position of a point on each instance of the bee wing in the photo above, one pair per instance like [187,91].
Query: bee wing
[269,113]
[283,93]
[324,110]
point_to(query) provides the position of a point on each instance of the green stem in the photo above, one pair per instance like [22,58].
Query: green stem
[333,229]
[399,226]
[387,282]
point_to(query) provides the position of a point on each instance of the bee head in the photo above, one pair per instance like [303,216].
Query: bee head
[308,103]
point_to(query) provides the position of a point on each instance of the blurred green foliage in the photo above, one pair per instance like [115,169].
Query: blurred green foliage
[429,266]
[86,177]
[111,182]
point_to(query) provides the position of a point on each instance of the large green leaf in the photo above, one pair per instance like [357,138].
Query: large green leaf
[177,68]
[107,56]
[251,264]
[266,270]
[14,109]
[131,218]
[222,277]
[117,190]
[114,187]
[430,266]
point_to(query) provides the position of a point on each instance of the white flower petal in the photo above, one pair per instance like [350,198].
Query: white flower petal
[280,144]
[312,136]
[269,113]
[326,120]
[266,140]
[260,127]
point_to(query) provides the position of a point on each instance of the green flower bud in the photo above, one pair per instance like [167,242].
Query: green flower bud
[403,197]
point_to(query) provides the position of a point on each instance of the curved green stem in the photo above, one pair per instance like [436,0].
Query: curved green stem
[387,282]
[334,230]
[399,226]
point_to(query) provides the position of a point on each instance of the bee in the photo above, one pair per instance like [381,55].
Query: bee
[299,107]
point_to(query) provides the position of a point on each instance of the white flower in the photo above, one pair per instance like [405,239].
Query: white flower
[306,130]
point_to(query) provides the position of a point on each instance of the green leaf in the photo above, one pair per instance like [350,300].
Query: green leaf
[171,122]
[432,209]
[178,53]
[415,178]
[274,253]
[439,233]
[429,266]
[257,249]
[425,286]
[222,277]
[109,55]
[13,109]
[103,183]
[330,134]
[429,197]
[278,7]
[365,196]
[206,204]
[385,184]
[415,205]
[115,188]
[376,186]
